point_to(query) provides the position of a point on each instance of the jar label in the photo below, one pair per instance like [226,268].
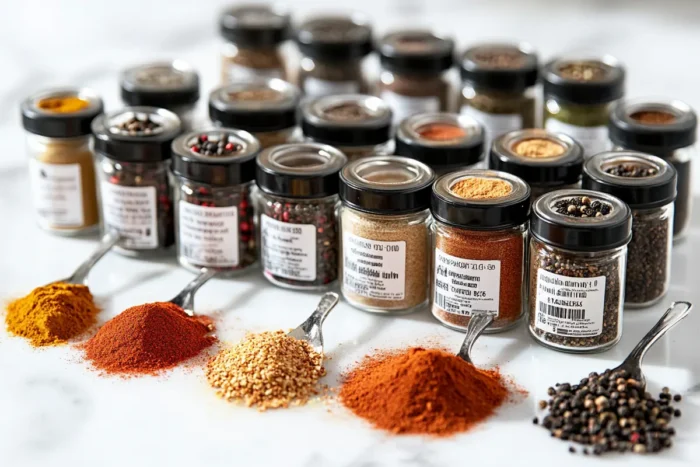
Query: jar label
[289,250]
[235,72]
[463,286]
[132,212]
[316,87]
[593,139]
[405,106]
[569,306]
[208,236]
[495,125]
[374,269]
[57,190]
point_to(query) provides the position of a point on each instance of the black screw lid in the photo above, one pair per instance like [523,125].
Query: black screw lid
[500,67]
[415,51]
[335,38]
[164,84]
[254,26]
[585,81]
[44,122]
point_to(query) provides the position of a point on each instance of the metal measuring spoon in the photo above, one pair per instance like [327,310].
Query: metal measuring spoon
[310,330]
[81,273]
[478,322]
[185,299]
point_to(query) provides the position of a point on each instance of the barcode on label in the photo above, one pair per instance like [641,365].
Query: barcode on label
[440,300]
[563,313]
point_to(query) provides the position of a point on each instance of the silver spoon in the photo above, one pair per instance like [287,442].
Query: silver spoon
[478,322]
[81,273]
[310,330]
[185,299]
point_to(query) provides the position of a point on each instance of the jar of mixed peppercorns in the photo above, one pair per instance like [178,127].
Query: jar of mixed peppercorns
[132,148]
[213,172]
[298,227]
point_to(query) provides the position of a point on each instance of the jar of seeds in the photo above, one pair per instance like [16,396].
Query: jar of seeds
[578,257]
[666,129]
[357,124]
[443,141]
[132,151]
[264,107]
[385,227]
[648,185]
[168,85]
[333,49]
[577,99]
[479,247]
[213,173]
[298,200]
[546,161]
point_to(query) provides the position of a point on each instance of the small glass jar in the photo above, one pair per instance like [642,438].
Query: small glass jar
[578,95]
[648,185]
[546,161]
[578,257]
[479,247]
[168,85]
[132,150]
[385,234]
[213,173]
[332,51]
[499,87]
[264,107]
[666,129]
[298,193]
[412,78]
[61,169]
[358,125]
[253,36]
[443,141]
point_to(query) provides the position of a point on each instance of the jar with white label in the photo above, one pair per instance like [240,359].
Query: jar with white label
[357,124]
[412,78]
[479,247]
[578,258]
[385,234]
[132,149]
[213,173]
[61,169]
[298,227]
[578,94]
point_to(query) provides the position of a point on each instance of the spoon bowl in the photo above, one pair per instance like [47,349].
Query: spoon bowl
[310,330]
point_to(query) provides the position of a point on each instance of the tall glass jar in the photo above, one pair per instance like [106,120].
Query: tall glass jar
[61,169]
[578,258]
[385,234]
[132,150]
[578,94]
[666,129]
[357,124]
[648,185]
[213,173]
[479,247]
[298,200]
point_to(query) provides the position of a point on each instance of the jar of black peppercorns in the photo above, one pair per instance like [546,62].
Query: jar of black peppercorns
[648,185]
[132,151]
[578,257]
[298,226]
[214,172]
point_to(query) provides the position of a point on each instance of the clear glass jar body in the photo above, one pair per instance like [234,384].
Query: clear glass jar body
[359,152]
[409,94]
[499,112]
[385,260]
[324,78]
[587,124]
[240,63]
[478,271]
[537,190]
[575,298]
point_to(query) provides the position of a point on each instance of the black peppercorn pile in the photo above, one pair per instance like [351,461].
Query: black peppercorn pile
[209,146]
[612,413]
[631,171]
[136,125]
[582,206]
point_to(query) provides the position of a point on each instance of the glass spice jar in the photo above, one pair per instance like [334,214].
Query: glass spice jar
[578,95]
[332,51]
[213,173]
[358,125]
[61,169]
[168,85]
[498,87]
[132,150]
[253,35]
[578,257]
[385,226]
[546,161]
[413,65]
[479,247]
[298,195]
[443,141]
[648,185]
[264,107]
[666,129]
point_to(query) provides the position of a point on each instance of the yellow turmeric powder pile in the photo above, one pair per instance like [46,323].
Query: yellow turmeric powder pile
[52,314]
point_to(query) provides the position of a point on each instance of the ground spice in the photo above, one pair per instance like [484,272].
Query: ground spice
[441,132]
[652,117]
[52,314]
[422,391]
[481,188]
[582,71]
[63,105]
[538,148]
[147,339]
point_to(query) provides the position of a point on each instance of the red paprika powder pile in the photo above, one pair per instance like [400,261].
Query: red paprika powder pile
[422,391]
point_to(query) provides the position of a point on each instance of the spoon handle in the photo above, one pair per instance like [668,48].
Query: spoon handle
[323,309]
[81,273]
[477,324]
[185,299]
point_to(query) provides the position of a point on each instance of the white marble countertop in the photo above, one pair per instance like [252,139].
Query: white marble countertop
[55,412]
